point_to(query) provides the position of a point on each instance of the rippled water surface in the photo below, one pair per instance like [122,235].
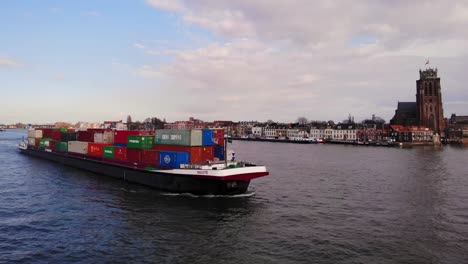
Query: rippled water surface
[321,204]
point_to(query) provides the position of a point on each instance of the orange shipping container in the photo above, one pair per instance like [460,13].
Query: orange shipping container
[197,154]
[96,149]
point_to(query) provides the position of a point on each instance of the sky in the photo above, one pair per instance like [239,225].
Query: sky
[226,59]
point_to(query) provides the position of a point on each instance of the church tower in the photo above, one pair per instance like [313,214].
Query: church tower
[429,101]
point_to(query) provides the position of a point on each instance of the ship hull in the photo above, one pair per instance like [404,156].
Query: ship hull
[159,180]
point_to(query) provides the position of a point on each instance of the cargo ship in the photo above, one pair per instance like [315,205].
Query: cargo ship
[181,161]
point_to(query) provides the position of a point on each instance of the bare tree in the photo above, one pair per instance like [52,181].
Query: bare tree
[302,120]
[129,120]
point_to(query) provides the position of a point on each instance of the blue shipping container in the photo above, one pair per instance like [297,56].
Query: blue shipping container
[173,159]
[207,137]
[219,152]
[120,144]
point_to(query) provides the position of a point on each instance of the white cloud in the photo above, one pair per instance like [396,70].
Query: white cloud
[8,63]
[139,46]
[92,13]
[170,5]
[286,58]
[148,71]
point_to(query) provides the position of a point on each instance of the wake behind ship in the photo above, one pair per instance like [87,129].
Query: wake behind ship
[183,161]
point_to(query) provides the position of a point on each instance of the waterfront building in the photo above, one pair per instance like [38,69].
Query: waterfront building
[257,131]
[317,133]
[292,133]
[372,135]
[185,125]
[245,128]
[458,129]
[411,134]
[344,133]
[328,133]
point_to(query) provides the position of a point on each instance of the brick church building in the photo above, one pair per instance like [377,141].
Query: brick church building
[427,111]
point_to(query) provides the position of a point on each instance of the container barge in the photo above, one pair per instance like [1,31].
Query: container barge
[182,161]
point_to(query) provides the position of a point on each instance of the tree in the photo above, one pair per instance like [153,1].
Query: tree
[134,125]
[129,120]
[157,123]
[302,120]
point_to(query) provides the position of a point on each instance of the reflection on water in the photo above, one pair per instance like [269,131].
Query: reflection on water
[321,204]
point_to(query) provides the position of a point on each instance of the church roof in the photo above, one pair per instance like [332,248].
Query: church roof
[407,107]
[460,119]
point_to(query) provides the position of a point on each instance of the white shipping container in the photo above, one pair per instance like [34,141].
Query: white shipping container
[78,147]
[98,138]
[31,141]
[108,137]
[34,133]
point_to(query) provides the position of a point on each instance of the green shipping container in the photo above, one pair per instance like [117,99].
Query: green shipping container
[62,129]
[44,142]
[108,152]
[68,136]
[140,142]
[61,146]
[180,137]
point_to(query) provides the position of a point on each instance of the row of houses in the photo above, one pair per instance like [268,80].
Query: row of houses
[410,134]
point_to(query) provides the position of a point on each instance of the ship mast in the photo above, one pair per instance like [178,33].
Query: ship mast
[225,150]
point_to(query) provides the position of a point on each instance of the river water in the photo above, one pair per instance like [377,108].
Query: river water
[321,204]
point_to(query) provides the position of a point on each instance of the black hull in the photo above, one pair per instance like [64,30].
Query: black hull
[161,181]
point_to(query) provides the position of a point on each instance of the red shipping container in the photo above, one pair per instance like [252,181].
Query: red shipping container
[47,132]
[120,153]
[52,144]
[86,136]
[96,149]
[121,136]
[150,157]
[134,155]
[55,135]
[147,133]
[197,154]
[218,137]
[38,142]
[98,130]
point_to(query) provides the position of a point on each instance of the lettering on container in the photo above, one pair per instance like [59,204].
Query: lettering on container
[167,159]
[133,141]
[176,137]
[171,137]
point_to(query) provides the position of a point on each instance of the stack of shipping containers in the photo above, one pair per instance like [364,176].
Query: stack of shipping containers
[189,146]
[161,148]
